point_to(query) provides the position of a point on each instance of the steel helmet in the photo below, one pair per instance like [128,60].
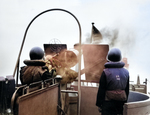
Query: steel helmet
[36,53]
[114,55]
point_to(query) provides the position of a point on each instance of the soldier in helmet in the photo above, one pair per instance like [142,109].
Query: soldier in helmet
[113,85]
[35,69]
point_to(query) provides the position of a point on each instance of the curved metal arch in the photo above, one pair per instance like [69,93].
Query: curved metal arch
[56,9]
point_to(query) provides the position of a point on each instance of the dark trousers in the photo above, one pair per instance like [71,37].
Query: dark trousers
[112,108]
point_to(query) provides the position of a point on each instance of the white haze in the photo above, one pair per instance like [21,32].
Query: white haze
[130,18]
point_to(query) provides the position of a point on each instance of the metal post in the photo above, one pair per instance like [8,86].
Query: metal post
[79,80]
[17,74]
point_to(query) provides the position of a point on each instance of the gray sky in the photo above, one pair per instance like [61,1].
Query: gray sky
[129,17]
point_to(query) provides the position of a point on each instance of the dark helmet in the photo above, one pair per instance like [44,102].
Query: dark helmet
[114,55]
[36,53]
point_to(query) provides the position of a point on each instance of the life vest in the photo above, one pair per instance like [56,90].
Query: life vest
[117,78]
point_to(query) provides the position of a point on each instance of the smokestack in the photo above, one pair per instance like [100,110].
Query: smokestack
[94,56]
[138,80]
[96,36]
[126,62]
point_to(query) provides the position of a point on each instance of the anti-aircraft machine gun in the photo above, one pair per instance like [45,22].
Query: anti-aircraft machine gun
[45,99]
[51,97]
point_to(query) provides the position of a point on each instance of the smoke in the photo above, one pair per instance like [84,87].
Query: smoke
[122,38]
[110,36]
[88,39]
